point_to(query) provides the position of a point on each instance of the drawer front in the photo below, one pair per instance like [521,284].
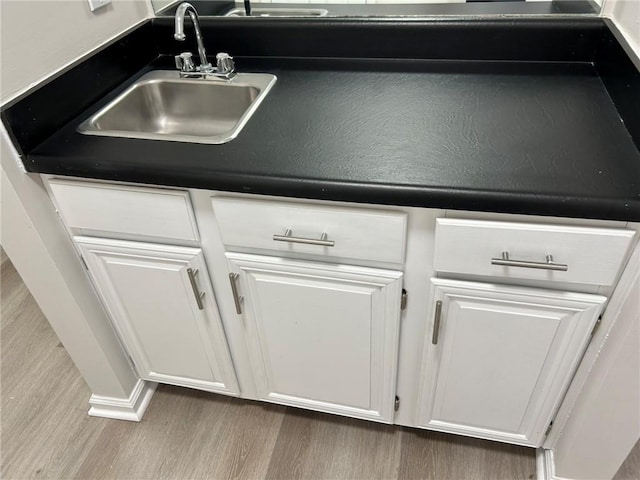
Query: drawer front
[296,228]
[592,256]
[98,209]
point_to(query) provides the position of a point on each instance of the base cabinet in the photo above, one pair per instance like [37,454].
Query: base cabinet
[322,336]
[498,359]
[162,303]
[309,329]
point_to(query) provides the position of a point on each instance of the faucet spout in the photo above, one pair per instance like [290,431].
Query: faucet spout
[183,9]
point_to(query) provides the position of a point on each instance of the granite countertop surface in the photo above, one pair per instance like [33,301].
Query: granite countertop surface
[517,137]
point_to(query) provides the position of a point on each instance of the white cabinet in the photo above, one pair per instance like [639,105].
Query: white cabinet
[158,215]
[518,251]
[161,301]
[350,234]
[321,336]
[498,358]
[310,295]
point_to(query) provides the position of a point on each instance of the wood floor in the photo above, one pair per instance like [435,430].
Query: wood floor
[186,434]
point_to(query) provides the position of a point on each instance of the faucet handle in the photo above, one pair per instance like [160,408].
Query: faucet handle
[184,62]
[224,63]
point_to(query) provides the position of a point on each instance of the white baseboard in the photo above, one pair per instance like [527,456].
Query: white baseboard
[543,470]
[131,408]
[545,466]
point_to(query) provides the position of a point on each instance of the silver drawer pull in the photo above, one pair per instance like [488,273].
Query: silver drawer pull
[192,272]
[237,299]
[287,237]
[548,265]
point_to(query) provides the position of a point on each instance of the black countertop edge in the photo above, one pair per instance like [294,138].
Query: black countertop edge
[525,203]
[471,7]
[621,78]
[515,21]
[397,65]
[509,39]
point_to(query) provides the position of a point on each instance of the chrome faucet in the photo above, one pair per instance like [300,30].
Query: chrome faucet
[225,67]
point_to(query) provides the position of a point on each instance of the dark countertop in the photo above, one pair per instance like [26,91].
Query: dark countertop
[538,138]
[527,116]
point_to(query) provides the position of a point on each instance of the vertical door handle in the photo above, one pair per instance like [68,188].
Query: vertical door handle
[436,322]
[237,299]
[192,272]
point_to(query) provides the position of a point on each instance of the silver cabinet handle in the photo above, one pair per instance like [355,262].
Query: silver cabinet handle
[192,272]
[436,322]
[237,299]
[287,237]
[548,265]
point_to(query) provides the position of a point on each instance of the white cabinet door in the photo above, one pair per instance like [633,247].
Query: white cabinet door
[152,300]
[323,337]
[502,357]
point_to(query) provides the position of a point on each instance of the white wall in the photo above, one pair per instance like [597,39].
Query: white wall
[39,37]
[37,245]
[160,4]
[626,15]
[605,422]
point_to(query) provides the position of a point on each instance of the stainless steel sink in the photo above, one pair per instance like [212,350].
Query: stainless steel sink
[163,106]
[278,12]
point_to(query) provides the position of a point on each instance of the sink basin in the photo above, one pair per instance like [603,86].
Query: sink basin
[163,106]
[279,12]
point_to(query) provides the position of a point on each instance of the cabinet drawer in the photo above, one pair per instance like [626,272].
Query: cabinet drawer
[89,208]
[289,227]
[592,256]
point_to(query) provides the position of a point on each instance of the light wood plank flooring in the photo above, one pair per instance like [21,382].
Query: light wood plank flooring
[186,434]
[630,469]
